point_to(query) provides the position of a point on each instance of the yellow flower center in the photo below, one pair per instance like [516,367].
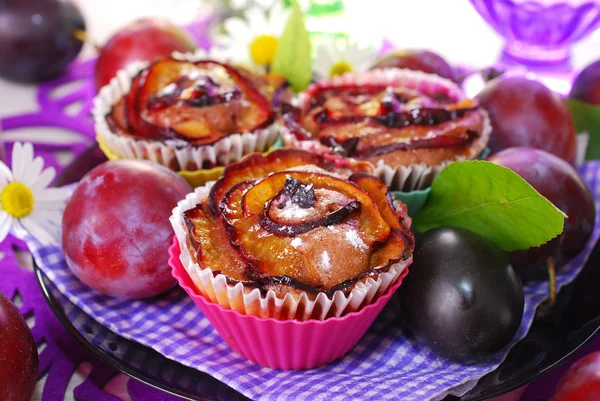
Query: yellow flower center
[263,49]
[340,68]
[17,200]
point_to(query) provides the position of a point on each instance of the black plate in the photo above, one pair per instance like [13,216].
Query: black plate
[572,323]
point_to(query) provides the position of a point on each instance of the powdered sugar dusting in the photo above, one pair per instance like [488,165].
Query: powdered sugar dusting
[296,242]
[355,240]
[325,260]
[293,211]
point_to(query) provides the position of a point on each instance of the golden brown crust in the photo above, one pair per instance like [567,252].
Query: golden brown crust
[272,223]
[388,123]
[195,104]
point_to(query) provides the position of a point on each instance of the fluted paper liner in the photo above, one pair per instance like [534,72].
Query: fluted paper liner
[251,301]
[399,178]
[227,150]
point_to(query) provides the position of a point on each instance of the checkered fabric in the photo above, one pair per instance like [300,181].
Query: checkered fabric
[385,365]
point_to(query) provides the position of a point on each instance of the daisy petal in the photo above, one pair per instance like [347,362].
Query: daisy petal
[43,180]
[6,175]
[5,224]
[33,228]
[237,29]
[51,198]
[18,153]
[22,158]
[323,61]
[33,172]
[257,22]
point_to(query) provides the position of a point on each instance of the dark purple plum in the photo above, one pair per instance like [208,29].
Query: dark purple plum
[38,38]
[526,113]
[418,60]
[586,87]
[461,297]
[558,181]
[18,354]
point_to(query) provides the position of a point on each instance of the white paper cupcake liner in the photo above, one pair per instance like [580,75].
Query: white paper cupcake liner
[251,301]
[399,178]
[227,150]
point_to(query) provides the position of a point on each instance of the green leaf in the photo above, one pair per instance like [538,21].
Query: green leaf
[493,202]
[293,58]
[587,118]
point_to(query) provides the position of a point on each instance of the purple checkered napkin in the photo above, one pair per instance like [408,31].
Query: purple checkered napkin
[385,365]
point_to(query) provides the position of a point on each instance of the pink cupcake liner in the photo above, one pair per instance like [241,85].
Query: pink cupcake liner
[283,344]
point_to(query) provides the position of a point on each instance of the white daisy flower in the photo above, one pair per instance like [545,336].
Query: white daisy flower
[338,56]
[26,204]
[255,39]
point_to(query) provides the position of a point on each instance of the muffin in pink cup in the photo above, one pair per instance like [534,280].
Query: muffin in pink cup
[408,124]
[283,344]
[293,237]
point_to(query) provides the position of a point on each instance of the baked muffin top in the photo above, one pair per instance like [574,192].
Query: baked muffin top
[198,103]
[397,121]
[292,222]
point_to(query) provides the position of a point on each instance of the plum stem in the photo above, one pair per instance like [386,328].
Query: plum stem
[82,36]
[551,280]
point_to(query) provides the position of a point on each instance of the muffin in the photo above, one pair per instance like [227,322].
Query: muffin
[293,236]
[187,112]
[407,124]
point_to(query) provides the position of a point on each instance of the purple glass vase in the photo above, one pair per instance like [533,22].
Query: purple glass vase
[539,33]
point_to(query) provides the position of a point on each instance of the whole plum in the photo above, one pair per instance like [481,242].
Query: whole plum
[18,354]
[586,87]
[418,60]
[581,382]
[558,181]
[116,230]
[141,40]
[526,113]
[38,38]
[461,297]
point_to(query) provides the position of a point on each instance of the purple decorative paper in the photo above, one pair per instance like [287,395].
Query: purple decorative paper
[385,365]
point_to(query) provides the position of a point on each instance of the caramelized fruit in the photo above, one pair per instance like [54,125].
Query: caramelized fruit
[257,166]
[372,121]
[199,103]
[288,227]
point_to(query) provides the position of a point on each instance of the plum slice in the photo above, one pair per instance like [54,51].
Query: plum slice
[374,226]
[355,123]
[292,230]
[209,236]
[199,103]
[294,197]
[258,166]
[379,192]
